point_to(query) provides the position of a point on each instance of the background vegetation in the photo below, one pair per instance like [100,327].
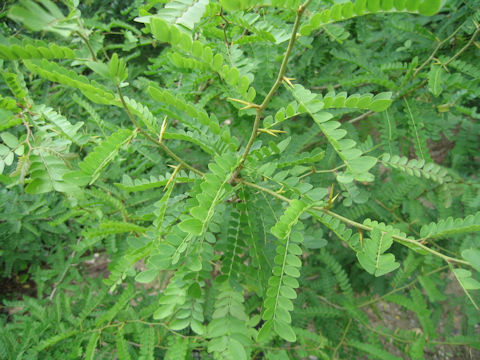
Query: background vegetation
[239,179]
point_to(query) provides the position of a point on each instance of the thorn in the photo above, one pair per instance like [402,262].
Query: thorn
[247,104]
[175,172]
[135,132]
[162,129]
[266,131]
[272,132]
[334,198]
[331,198]
[288,80]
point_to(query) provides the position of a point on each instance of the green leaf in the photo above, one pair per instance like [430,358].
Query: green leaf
[17,87]
[177,348]
[164,311]
[179,324]
[346,10]
[78,178]
[473,257]
[229,329]
[172,99]
[195,290]
[55,72]
[232,5]
[451,226]
[42,16]
[55,339]
[103,154]
[46,174]
[356,101]
[191,226]
[284,330]
[146,276]
[373,350]
[99,68]
[381,102]
[9,158]
[416,167]
[372,257]
[92,344]
[10,140]
[314,242]
[280,291]
[120,303]
[197,327]
[430,288]
[67,129]
[33,49]
[465,279]
[147,343]
[186,13]
[265,331]
[435,79]
[357,165]
[283,227]
[236,350]
[429,7]
[210,192]
[416,350]
[122,348]
[362,164]
[117,69]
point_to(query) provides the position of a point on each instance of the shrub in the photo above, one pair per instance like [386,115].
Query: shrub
[263,177]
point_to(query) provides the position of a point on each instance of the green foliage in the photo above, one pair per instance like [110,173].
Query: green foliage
[451,226]
[357,164]
[239,179]
[45,16]
[372,257]
[213,189]
[347,10]
[28,49]
[183,12]
[417,168]
[57,73]
[282,283]
[378,353]
[93,164]
[229,328]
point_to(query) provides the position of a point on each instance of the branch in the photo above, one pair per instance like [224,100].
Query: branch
[357,225]
[465,47]
[432,55]
[64,273]
[90,49]
[397,237]
[334,356]
[375,300]
[361,117]
[152,139]
[273,89]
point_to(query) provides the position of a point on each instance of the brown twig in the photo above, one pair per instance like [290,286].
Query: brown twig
[273,89]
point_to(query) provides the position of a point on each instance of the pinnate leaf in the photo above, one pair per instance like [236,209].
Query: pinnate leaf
[372,257]
[103,154]
[473,257]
